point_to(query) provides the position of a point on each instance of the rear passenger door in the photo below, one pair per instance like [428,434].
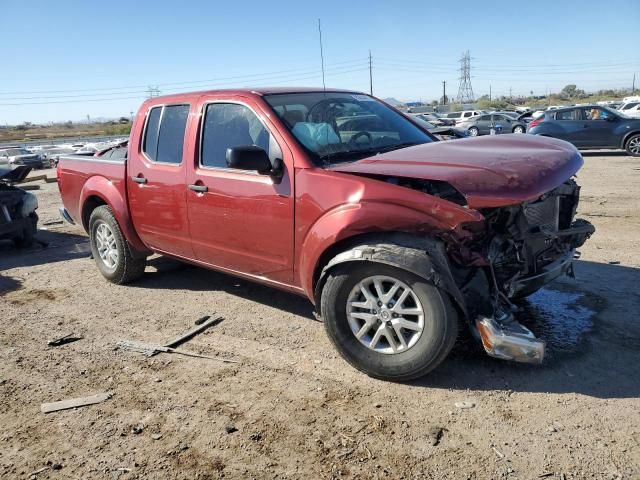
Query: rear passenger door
[156,181]
[570,126]
[241,221]
[483,122]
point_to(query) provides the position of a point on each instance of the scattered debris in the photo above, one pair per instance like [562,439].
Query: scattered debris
[201,320]
[74,403]
[53,222]
[69,338]
[614,262]
[33,474]
[156,436]
[498,452]
[464,405]
[551,428]
[203,325]
[30,187]
[230,429]
[546,474]
[137,429]
[435,435]
[150,350]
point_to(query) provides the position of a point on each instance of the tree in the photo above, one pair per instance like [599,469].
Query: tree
[569,92]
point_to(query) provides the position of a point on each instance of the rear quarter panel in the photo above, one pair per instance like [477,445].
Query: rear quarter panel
[80,178]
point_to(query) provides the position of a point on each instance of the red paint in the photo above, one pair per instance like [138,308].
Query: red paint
[276,231]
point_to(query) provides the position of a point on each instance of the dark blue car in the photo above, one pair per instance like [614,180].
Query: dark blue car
[590,126]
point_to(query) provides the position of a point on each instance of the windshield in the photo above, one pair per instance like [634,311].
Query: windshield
[335,126]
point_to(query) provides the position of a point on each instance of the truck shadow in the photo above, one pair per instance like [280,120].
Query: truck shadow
[592,341]
[172,274]
[52,246]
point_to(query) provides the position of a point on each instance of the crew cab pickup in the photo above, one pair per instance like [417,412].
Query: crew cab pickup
[397,238]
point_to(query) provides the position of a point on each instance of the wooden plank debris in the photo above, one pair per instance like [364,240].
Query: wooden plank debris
[150,349]
[63,340]
[194,331]
[75,402]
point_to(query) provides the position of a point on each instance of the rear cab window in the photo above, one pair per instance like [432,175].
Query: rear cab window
[163,140]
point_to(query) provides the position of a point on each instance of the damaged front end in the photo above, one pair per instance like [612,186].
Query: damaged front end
[523,248]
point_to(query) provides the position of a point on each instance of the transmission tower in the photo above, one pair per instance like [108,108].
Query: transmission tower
[465,91]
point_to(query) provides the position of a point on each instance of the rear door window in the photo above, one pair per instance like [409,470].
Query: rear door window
[565,115]
[164,135]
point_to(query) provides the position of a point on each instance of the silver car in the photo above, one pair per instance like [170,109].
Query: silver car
[15,156]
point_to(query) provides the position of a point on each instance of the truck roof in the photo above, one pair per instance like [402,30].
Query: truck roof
[244,91]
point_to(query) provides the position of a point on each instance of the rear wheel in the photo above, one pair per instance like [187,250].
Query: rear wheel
[518,129]
[387,322]
[474,132]
[110,250]
[633,146]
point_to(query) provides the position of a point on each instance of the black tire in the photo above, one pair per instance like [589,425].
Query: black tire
[472,130]
[632,145]
[520,129]
[435,343]
[127,267]
[28,233]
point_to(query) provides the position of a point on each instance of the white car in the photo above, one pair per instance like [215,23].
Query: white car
[633,111]
[464,115]
[630,108]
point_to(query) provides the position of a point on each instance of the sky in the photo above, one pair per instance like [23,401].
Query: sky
[63,60]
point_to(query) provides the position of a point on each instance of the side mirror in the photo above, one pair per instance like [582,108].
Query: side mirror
[249,157]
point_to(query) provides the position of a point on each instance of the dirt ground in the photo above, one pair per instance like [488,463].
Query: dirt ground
[293,407]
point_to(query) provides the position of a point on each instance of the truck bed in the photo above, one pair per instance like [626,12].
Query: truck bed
[78,176]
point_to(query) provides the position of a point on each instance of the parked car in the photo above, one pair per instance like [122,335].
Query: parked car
[117,151]
[593,126]
[436,119]
[482,124]
[396,238]
[14,156]
[50,155]
[633,112]
[18,219]
[443,133]
[460,117]
[630,108]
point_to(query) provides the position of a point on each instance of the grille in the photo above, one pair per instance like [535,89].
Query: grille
[543,214]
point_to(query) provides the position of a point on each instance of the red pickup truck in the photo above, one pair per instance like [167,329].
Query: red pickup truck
[397,238]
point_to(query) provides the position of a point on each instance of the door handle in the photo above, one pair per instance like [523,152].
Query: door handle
[199,188]
[140,180]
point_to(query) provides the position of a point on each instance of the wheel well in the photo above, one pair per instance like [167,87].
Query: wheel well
[627,137]
[89,206]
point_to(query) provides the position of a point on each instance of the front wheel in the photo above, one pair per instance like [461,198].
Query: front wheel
[633,146]
[387,322]
[518,129]
[474,132]
[110,249]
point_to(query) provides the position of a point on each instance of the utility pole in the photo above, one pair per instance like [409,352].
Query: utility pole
[324,86]
[633,85]
[370,74]
[444,92]
[489,92]
[152,92]
[510,96]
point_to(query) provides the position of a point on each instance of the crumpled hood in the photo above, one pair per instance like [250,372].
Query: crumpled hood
[489,171]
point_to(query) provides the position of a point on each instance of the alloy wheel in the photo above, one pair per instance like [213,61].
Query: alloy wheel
[106,245]
[634,146]
[385,314]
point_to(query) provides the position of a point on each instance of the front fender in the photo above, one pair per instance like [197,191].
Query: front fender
[350,220]
[108,191]
[424,257]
